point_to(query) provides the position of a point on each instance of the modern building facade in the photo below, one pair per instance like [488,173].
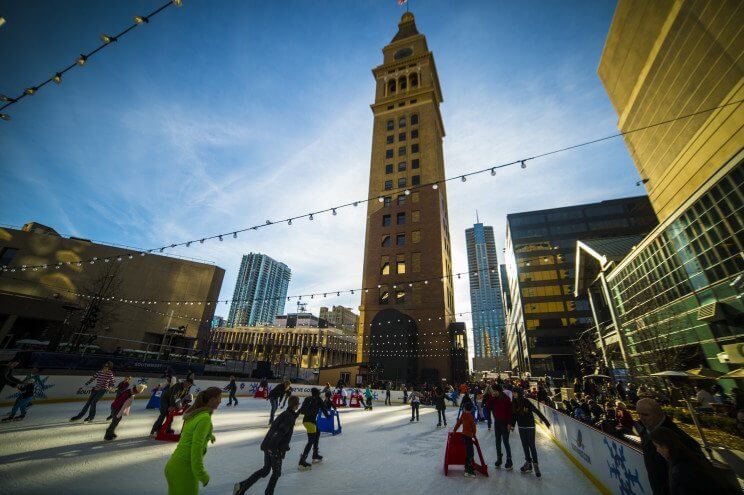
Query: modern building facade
[681,286]
[540,251]
[408,302]
[486,305]
[260,291]
[340,317]
[301,319]
[129,288]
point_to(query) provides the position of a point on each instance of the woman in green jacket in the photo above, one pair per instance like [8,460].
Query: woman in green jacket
[185,469]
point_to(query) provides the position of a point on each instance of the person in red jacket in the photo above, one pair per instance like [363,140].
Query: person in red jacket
[468,429]
[501,407]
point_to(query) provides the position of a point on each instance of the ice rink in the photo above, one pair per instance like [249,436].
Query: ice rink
[379,451]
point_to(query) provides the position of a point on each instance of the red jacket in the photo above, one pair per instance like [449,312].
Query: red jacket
[501,408]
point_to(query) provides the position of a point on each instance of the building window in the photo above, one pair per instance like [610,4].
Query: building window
[6,255]
[414,80]
[413,101]
[416,236]
[402,182]
[402,122]
[415,148]
[415,163]
[402,167]
[390,107]
[391,86]
[387,200]
[415,216]
[402,136]
[388,153]
[414,197]
[384,295]
[400,296]
[401,199]
[416,180]
[414,119]
[401,103]
[390,124]
[389,139]
[402,83]
[385,265]
[386,220]
[414,134]
[400,262]
[389,168]
[402,151]
[416,262]
[401,218]
[400,240]
[386,240]
[388,184]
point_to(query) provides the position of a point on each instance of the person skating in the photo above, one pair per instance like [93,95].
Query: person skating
[388,402]
[121,387]
[287,394]
[523,416]
[368,396]
[310,407]
[487,394]
[275,445]
[172,399]
[468,429]
[104,379]
[441,406]
[500,406]
[6,374]
[232,389]
[23,401]
[415,403]
[120,407]
[274,397]
[185,468]
[405,394]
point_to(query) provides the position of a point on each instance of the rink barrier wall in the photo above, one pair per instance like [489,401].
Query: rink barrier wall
[615,467]
[72,388]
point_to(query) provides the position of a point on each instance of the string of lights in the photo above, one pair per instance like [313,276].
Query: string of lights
[333,210]
[106,39]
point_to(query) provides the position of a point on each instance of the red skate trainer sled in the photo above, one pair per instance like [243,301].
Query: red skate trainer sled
[454,454]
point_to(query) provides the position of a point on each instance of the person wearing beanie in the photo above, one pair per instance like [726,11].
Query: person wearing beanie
[468,430]
[310,407]
[121,407]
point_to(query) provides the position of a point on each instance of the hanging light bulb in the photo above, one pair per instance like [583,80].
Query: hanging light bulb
[201,241]
[31,90]
[5,116]
[289,222]
[524,164]
[141,19]
[311,216]
[235,235]
[463,178]
[162,249]
[334,211]
[381,199]
[82,59]
[57,78]
[177,3]
[356,203]
[7,99]
[493,171]
[435,186]
[220,237]
[109,39]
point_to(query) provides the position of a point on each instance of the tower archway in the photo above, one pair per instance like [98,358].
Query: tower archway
[393,346]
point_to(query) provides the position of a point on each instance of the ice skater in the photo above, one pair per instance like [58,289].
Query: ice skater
[104,379]
[275,396]
[468,430]
[287,394]
[120,407]
[23,401]
[173,398]
[275,445]
[388,402]
[185,468]
[524,412]
[441,407]
[368,395]
[405,394]
[232,389]
[415,403]
[121,387]
[310,408]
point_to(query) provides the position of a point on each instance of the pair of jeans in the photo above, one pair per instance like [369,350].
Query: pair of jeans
[313,437]
[487,412]
[414,410]
[388,402]
[274,407]
[111,430]
[527,436]
[95,396]
[159,422]
[22,404]
[273,465]
[469,454]
[501,432]
[232,398]
[441,418]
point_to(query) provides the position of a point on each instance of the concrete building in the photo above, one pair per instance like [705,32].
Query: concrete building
[407,232]
[260,291]
[293,320]
[127,289]
[681,284]
[218,321]
[487,308]
[340,317]
[309,347]
[540,251]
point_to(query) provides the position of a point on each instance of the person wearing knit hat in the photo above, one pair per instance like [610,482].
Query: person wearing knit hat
[121,407]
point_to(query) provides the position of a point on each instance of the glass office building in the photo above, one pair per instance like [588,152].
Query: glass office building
[260,291]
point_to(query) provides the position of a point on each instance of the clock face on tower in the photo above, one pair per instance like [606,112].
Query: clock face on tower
[403,53]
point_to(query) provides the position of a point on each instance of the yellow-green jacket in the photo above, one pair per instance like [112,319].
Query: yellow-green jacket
[185,469]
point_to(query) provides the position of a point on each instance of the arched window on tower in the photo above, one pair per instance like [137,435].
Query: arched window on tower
[391,86]
[414,80]
[402,83]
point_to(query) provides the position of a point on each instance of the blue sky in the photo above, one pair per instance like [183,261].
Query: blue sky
[220,115]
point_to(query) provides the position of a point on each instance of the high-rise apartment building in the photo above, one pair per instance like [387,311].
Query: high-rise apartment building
[487,308]
[340,317]
[540,256]
[408,306]
[260,291]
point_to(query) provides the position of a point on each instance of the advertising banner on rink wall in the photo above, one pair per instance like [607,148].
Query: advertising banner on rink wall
[62,388]
[615,465]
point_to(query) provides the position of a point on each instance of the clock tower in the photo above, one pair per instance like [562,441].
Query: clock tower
[407,307]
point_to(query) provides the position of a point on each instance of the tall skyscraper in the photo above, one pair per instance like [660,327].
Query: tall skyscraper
[540,255]
[405,322]
[485,291]
[260,291]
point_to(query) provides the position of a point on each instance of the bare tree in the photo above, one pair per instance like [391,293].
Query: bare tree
[102,295]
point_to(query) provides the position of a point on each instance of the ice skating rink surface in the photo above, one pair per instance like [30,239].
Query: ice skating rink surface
[379,452]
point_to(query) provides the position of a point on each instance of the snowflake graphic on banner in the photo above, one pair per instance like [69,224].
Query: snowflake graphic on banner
[142,381]
[40,389]
[618,470]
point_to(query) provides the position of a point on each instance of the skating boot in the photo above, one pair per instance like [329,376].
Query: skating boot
[19,418]
[411,420]
[468,474]
[110,437]
[88,420]
[317,459]
[304,466]
[509,465]
[75,418]
[497,464]
[526,468]
[537,470]
[239,489]
[10,417]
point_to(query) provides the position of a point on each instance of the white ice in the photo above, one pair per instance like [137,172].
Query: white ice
[379,451]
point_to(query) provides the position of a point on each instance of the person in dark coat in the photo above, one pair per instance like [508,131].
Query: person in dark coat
[651,417]
[689,473]
[310,408]
[501,407]
[524,412]
[6,374]
[275,445]
[232,389]
[275,396]
[171,399]
[441,407]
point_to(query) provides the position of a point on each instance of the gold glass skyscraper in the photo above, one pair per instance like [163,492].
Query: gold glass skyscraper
[407,308]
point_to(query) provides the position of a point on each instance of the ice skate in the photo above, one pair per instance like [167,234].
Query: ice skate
[10,417]
[469,475]
[509,465]
[317,459]
[19,417]
[537,470]
[497,464]
[304,466]
[526,468]
[238,489]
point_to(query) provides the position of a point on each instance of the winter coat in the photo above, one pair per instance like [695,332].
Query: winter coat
[688,478]
[277,392]
[121,399]
[439,402]
[232,386]
[185,468]
[525,418]
[310,408]
[468,424]
[280,434]
[501,407]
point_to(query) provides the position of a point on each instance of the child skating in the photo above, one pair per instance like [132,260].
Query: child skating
[121,407]
[469,430]
[23,401]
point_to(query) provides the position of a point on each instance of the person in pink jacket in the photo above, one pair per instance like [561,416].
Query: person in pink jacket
[121,407]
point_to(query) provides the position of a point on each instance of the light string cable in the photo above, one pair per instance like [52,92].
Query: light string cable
[106,40]
[334,209]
